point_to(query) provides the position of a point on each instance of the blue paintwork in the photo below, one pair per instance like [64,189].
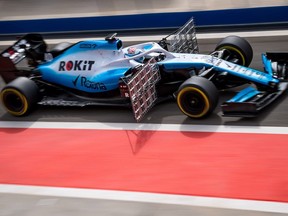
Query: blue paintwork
[267,64]
[244,95]
[106,81]
[84,46]
[147,47]
[221,66]
[86,77]
[97,66]
[252,75]
[172,65]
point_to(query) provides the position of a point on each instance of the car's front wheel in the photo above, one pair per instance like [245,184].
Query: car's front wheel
[236,49]
[197,97]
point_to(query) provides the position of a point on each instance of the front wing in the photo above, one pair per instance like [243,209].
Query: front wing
[249,101]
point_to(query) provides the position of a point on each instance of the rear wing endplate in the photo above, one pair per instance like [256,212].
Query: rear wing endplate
[8,70]
[18,51]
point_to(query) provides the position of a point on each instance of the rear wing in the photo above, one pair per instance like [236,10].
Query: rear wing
[183,40]
[32,45]
[8,70]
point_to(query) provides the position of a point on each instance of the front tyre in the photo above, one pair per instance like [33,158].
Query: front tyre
[20,96]
[197,97]
[237,50]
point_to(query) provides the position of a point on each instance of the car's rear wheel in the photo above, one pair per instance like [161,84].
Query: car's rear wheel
[197,97]
[236,49]
[20,96]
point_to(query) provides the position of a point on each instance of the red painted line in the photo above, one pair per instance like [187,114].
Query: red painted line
[230,165]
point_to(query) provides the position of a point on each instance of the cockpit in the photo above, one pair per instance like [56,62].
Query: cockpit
[144,52]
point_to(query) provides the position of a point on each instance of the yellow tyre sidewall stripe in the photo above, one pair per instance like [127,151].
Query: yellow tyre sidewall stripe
[20,95]
[237,51]
[193,89]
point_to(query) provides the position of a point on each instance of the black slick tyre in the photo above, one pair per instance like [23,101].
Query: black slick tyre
[20,96]
[197,97]
[237,47]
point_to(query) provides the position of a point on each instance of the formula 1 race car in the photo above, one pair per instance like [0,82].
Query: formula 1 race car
[103,72]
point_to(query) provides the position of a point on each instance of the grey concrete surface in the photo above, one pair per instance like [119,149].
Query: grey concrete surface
[24,205]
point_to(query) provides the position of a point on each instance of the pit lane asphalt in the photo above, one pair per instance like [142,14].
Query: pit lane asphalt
[168,112]
[165,113]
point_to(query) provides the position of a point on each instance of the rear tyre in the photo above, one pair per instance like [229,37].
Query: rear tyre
[236,48]
[20,96]
[197,97]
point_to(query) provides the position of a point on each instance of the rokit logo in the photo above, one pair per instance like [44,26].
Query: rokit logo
[89,84]
[78,65]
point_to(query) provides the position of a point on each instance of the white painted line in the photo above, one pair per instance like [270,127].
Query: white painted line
[236,204]
[149,127]
[140,39]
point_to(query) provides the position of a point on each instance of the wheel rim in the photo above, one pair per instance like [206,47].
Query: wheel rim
[193,102]
[234,53]
[14,101]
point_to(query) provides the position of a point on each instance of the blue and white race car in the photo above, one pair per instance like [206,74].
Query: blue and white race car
[103,72]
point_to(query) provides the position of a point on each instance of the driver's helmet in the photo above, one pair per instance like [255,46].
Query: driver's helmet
[131,51]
